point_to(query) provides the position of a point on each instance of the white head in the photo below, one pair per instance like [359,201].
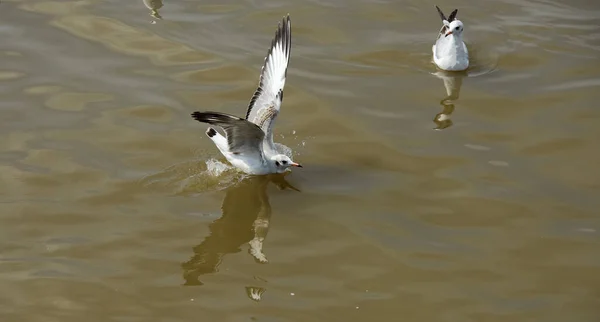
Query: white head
[454,28]
[282,162]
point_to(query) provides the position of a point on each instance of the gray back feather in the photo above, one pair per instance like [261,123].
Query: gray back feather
[243,137]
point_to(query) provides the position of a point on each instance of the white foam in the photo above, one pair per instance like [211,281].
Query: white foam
[215,167]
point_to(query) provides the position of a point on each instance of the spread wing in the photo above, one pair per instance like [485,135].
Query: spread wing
[243,137]
[266,102]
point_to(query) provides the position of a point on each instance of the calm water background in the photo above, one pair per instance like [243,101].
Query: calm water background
[424,197]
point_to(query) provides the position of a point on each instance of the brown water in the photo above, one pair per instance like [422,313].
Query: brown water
[417,202]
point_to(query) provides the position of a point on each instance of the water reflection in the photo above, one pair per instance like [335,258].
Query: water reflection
[452,83]
[246,214]
[154,5]
[255,293]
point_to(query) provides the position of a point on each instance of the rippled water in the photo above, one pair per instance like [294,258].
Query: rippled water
[425,196]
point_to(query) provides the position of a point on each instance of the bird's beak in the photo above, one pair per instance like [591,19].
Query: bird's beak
[448,33]
[297,165]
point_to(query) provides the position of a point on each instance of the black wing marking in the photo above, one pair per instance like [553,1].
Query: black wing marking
[242,136]
[452,15]
[450,18]
[283,41]
[441,13]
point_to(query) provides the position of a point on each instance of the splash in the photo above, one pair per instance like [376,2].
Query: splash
[216,167]
[193,177]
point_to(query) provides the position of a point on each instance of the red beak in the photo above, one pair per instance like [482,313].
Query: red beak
[297,165]
[448,33]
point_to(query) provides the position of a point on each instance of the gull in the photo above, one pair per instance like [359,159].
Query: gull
[248,144]
[450,52]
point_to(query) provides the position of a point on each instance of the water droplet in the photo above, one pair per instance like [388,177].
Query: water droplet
[292,294]
[294,132]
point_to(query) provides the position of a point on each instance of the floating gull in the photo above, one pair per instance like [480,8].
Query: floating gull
[248,144]
[450,52]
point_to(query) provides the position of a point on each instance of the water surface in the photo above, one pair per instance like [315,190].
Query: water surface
[425,196]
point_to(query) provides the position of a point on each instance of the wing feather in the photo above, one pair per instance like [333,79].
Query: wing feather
[243,137]
[266,101]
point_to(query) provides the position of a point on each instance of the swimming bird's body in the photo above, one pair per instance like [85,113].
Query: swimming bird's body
[248,144]
[450,52]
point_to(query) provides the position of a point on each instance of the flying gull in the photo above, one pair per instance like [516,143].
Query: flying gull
[248,144]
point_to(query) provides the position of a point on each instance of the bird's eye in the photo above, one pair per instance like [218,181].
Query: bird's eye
[457,28]
[284,162]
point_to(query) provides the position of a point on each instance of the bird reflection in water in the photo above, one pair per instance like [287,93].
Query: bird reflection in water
[246,214]
[154,5]
[452,83]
